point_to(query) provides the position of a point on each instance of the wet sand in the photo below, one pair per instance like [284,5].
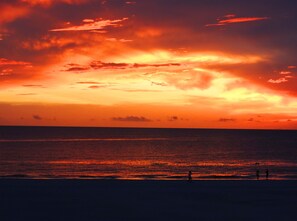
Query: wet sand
[109,200]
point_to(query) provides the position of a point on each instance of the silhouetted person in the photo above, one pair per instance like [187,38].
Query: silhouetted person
[258,174]
[267,174]
[190,176]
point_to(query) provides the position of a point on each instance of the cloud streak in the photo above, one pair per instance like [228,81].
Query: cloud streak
[95,65]
[132,119]
[37,117]
[225,120]
[51,2]
[231,19]
[4,61]
[92,25]
[278,81]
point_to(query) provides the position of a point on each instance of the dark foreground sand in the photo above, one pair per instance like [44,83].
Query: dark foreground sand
[104,200]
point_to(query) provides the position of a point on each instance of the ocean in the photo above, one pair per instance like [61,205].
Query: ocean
[144,154]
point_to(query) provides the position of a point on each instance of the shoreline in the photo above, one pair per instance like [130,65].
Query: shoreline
[151,178]
[95,200]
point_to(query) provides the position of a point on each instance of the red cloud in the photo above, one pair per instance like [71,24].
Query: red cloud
[50,2]
[8,67]
[12,71]
[4,61]
[10,13]
[229,19]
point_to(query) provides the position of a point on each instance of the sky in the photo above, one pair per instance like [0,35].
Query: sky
[149,63]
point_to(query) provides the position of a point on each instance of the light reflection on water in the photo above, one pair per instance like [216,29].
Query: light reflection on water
[150,154]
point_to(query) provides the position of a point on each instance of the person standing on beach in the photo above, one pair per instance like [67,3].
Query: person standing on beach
[190,176]
[258,174]
[267,174]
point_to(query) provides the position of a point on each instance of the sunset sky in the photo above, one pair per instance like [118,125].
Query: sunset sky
[149,63]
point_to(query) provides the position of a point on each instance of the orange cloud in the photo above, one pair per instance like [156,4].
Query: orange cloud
[120,40]
[148,32]
[10,13]
[230,19]
[4,61]
[6,72]
[88,82]
[278,81]
[33,85]
[95,87]
[48,42]
[9,67]
[186,81]
[14,73]
[90,25]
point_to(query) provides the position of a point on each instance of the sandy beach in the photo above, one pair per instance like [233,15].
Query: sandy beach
[147,200]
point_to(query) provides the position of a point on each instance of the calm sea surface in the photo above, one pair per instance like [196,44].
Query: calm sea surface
[122,153]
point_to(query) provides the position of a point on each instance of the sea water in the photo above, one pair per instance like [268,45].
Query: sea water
[137,153]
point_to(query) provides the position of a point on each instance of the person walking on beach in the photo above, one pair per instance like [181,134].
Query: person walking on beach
[190,176]
[258,174]
[267,174]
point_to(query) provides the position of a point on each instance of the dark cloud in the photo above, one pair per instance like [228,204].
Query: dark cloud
[176,118]
[76,67]
[94,84]
[98,65]
[224,120]
[155,65]
[173,118]
[95,65]
[37,117]
[132,119]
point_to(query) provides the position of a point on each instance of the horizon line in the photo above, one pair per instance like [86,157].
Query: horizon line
[173,128]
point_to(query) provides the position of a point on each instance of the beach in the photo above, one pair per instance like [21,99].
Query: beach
[110,200]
